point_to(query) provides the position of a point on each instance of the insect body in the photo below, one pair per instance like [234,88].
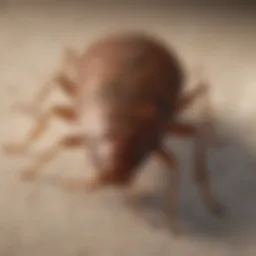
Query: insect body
[129,86]
[126,96]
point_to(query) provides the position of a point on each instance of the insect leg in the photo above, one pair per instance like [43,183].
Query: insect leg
[69,61]
[208,114]
[85,184]
[201,173]
[69,141]
[66,85]
[189,98]
[64,112]
[171,201]
[60,79]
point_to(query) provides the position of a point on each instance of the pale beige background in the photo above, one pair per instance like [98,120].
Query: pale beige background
[40,219]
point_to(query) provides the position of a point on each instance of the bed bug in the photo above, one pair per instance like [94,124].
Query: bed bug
[127,95]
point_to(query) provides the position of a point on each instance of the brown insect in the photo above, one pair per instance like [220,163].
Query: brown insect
[127,95]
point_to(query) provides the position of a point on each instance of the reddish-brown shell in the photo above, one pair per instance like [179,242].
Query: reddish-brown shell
[129,86]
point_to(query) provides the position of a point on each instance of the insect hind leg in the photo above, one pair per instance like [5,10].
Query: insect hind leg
[201,175]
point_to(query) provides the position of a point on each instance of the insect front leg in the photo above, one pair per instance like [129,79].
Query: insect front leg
[70,59]
[65,83]
[202,90]
[61,79]
[189,98]
[63,112]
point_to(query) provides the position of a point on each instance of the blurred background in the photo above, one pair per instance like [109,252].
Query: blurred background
[41,219]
